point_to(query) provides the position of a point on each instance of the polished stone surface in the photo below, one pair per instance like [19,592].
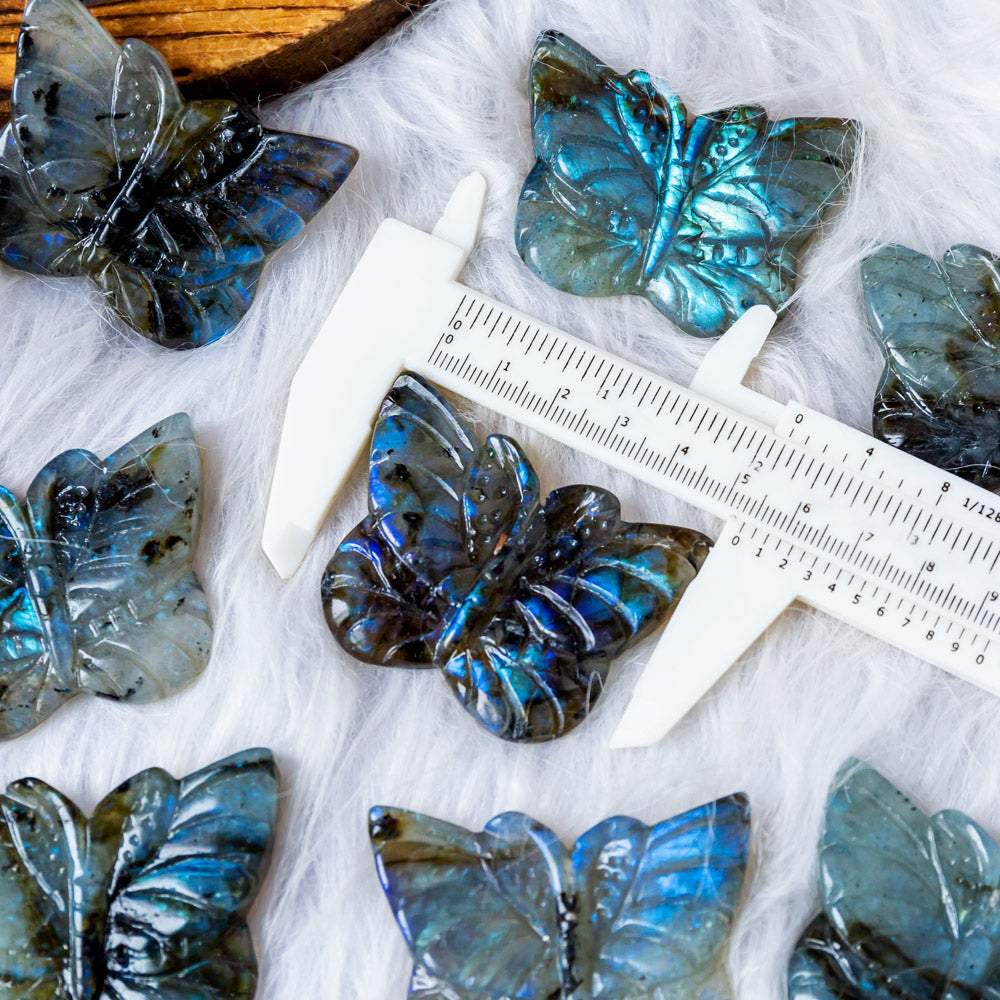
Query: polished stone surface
[148,897]
[170,208]
[939,325]
[705,218]
[97,592]
[460,565]
[911,903]
[630,913]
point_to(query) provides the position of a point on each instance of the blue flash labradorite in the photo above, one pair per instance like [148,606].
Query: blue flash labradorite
[705,218]
[522,604]
[911,903]
[939,325]
[97,592]
[170,208]
[144,900]
[631,911]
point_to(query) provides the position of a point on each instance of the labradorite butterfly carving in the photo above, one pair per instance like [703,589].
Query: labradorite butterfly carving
[170,208]
[939,325]
[705,218]
[911,903]
[630,913]
[147,898]
[459,564]
[97,592]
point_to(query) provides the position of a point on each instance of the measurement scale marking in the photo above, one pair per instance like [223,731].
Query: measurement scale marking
[636,449]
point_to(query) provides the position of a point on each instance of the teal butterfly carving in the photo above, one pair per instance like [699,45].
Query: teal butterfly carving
[97,591]
[630,913]
[146,899]
[171,208]
[911,903]
[522,601]
[705,218]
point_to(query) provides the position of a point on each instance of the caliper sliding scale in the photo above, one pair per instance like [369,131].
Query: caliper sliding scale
[812,510]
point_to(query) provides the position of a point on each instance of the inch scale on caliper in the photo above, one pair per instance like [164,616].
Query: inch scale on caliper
[813,510]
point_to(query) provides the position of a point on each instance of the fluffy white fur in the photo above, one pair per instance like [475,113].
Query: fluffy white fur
[443,96]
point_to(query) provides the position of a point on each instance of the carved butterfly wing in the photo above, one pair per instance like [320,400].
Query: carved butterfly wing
[579,596]
[908,901]
[170,208]
[603,144]
[624,198]
[43,849]
[387,584]
[178,902]
[500,501]
[62,121]
[479,912]
[421,451]
[759,189]
[433,521]
[84,113]
[656,903]
[939,325]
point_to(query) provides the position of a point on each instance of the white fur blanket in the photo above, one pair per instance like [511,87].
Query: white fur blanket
[443,96]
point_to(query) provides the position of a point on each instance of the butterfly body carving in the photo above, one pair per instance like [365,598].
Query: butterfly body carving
[629,913]
[97,591]
[460,565]
[938,322]
[170,208]
[703,218]
[911,902]
[146,898]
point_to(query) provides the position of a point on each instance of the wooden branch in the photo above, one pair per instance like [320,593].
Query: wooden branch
[253,49]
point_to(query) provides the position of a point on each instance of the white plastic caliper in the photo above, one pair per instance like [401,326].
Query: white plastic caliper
[813,510]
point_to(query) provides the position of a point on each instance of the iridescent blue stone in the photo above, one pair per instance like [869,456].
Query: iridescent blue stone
[705,218]
[939,325]
[632,912]
[97,592]
[144,900]
[911,903]
[460,565]
[170,208]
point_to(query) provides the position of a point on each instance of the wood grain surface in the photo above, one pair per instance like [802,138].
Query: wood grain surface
[253,49]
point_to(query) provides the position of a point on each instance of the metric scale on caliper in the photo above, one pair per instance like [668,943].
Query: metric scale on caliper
[813,510]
